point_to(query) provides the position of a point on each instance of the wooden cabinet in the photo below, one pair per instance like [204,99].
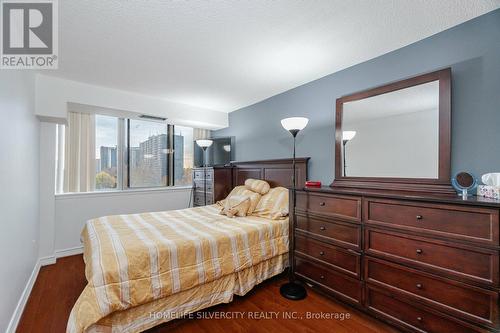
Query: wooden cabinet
[341,207]
[475,225]
[217,180]
[345,287]
[329,231]
[459,299]
[344,260]
[422,263]
[203,178]
[410,316]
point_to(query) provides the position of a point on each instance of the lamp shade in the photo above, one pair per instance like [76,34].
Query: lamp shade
[204,143]
[348,135]
[294,123]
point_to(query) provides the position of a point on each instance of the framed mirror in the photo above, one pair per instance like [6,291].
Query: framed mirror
[397,136]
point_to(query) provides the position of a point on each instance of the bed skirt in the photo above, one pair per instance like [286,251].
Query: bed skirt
[146,316]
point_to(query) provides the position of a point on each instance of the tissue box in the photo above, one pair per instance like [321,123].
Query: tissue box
[488,191]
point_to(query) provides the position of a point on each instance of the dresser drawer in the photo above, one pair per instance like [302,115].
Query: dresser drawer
[341,285]
[342,207]
[199,185]
[411,316]
[478,225]
[200,174]
[346,261]
[445,258]
[340,233]
[199,198]
[472,303]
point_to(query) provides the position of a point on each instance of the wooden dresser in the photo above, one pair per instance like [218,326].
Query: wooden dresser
[422,263]
[217,180]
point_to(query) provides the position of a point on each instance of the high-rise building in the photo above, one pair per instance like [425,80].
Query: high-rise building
[150,160]
[135,158]
[178,157]
[108,157]
[153,154]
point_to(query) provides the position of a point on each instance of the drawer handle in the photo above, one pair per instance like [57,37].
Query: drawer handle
[321,203]
[419,217]
[322,277]
[321,253]
[419,251]
[419,286]
[419,318]
[322,228]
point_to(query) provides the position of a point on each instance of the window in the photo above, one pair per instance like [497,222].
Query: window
[106,153]
[183,155]
[102,153]
[148,154]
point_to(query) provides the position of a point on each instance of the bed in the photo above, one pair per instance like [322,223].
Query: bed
[150,268]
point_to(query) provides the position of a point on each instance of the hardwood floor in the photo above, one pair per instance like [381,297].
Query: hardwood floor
[58,286]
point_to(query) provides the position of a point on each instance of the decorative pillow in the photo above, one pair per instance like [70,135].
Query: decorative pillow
[273,205]
[236,205]
[241,190]
[257,185]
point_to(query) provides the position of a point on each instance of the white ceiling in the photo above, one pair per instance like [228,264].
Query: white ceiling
[227,54]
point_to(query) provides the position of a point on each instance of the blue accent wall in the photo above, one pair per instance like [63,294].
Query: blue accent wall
[471,49]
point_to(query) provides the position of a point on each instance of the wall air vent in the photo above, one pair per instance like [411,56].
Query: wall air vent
[145,116]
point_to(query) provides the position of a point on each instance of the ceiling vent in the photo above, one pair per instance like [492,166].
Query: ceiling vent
[145,116]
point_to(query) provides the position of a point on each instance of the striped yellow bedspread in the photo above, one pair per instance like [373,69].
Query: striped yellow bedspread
[134,259]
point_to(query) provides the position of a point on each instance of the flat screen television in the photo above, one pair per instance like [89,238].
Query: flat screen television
[221,152]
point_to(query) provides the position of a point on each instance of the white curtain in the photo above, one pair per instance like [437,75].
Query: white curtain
[79,153]
[61,129]
[200,133]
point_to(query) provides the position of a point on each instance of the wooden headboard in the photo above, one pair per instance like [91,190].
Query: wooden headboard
[276,172]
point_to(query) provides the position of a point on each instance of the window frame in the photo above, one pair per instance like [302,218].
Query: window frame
[123,157]
[170,180]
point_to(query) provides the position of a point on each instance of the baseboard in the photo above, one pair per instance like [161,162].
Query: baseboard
[16,316]
[49,260]
[68,252]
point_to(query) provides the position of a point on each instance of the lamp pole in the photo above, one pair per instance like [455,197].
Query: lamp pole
[204,144]
[293,290]
[346,137]
[344,142]
[205,174]
[291,276]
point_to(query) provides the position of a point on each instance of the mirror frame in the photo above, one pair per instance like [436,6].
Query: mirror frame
[441,184]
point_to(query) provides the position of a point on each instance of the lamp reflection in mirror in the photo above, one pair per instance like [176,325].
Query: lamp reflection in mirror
[227,148]
[204,144]
[293,290]
[346,137]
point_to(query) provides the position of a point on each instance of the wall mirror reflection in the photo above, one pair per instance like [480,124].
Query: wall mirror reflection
[393,135]
[396,136]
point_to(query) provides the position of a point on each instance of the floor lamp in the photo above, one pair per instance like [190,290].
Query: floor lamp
[204,144]
[292,289]
[346,137]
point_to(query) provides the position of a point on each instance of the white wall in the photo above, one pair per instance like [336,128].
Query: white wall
[396,146]
[53,95]
[19,130]
[73,210]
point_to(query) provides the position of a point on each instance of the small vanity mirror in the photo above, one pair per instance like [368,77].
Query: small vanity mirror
[397,133]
